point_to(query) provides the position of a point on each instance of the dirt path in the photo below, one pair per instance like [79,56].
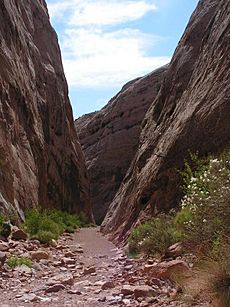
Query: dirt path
[83,259]
[84,269]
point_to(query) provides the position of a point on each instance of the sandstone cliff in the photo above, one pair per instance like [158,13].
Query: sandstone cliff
[191,112]
[110,138]
[40,160]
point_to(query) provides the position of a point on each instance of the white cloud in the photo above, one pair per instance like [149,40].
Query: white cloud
[58,9]
[94,58]
[95,55]
[104,12]
[100,12]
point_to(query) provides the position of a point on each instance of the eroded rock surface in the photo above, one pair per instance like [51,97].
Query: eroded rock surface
[110,138]
[191,112]
[40,159]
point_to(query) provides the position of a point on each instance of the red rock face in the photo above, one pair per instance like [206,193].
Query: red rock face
[191,112]
[110,138]
[40,160]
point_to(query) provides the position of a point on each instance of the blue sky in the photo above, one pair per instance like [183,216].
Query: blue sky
[106,43]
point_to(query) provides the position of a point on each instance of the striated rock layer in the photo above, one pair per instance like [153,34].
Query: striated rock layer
[110,138]
[191,112]
[40,160]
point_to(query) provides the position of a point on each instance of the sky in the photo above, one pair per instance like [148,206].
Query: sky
[106,43]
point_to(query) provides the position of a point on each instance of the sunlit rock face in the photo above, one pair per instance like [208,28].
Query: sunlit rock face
[191,112]
[110,138]
[41,162]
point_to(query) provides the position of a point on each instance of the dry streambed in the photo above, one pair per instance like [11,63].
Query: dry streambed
[84,269]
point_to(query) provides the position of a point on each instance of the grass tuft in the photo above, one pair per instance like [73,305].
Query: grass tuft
[15,261]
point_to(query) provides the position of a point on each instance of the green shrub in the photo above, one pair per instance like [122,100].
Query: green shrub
[193,169]
[45,236]
[154,236]
[15,261]
[2,219]
[202,220]
[48,224]
[5,228]
[32,221]
[205,210]
[83,220]
[12,261]
[70,229]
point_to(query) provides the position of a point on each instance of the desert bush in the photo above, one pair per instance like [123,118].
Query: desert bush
[45,236]
[4,226]
[205,209]
[2,219]
[154,236]
[66,221]
[47,224]
[204,215]
[15,261]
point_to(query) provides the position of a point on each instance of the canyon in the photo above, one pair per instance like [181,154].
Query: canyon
[110,138]
[119,166]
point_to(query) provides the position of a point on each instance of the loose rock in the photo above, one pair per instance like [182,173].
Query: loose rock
[18,234]
[39,255]
[174,251]
[4,246]
[2,257]
[89,270]
[64,279]
[143,291]
[55,288]
[107,285]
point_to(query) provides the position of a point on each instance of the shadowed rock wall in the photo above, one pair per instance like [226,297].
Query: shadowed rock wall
[40,158]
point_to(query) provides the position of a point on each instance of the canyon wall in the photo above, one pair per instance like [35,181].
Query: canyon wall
[191,112]
[110,138]
[41,162]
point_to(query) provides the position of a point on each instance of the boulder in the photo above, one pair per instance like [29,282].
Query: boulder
[166,269]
